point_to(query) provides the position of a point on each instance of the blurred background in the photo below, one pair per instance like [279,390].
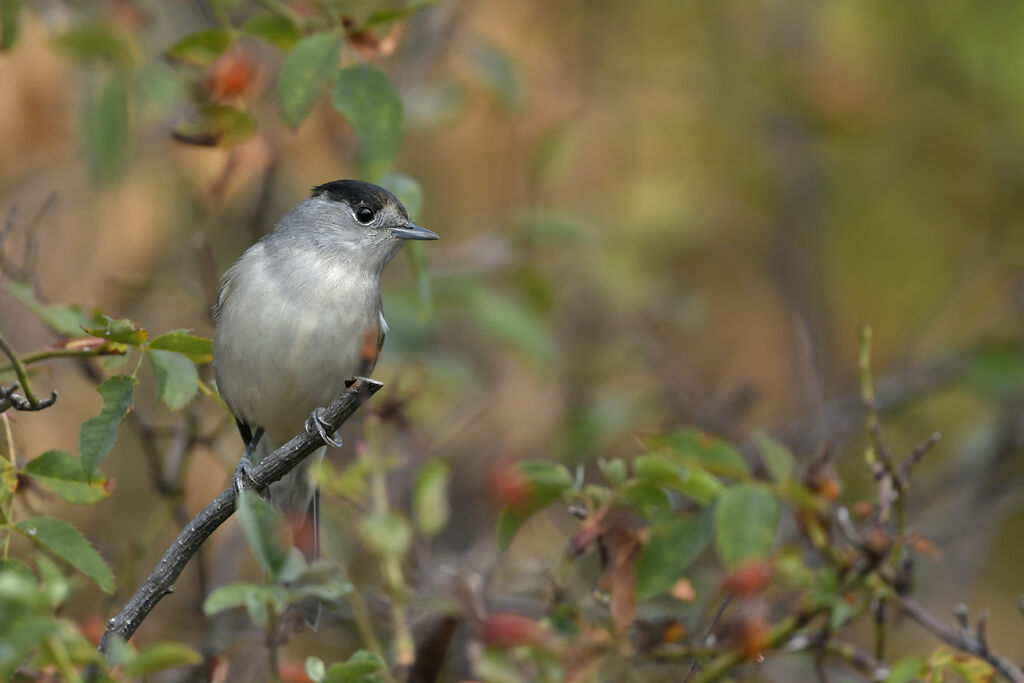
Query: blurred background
[652,214]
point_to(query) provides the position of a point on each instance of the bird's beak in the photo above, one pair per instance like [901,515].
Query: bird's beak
[414,232]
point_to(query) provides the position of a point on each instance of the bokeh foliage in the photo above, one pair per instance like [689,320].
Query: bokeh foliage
[662,224]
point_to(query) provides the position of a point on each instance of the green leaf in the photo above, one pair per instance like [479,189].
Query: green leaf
[277,30]
[905,670]
[321,580]
[384,16]
[228,126]
[263,525]
[53,584]
[21,639]
[176,378]
[12,564]
[614,470]
[66,320]
[495,70]
[510,322]
[97,434]
[387,534]
[199,349]
[546,479]
[106,127]
[10,22]
[675,542]
[746,518]
[121,331]
[201,48]
[365,96]
[545,482]
[645,497]
[227,597]
[778,459]
[304,74]
[359,668]
[63,474]
[662,470]
[254,597]
[65,541]
[430,496]
[8,480]
[158,657]
[696,447]
[96,41]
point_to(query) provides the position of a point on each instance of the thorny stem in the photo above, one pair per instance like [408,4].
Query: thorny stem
[19,370]
[63,661]
[10,505]
[775,636]
[394,580]
[890,484]
[48,354]
[860,660]
[361,615]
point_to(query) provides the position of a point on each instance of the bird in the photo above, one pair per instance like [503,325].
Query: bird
[299,314]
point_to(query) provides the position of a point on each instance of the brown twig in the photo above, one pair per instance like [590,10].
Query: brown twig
[911,461]
[271,468]
[962,638]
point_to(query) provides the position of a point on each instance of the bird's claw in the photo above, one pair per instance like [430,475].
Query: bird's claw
[242,479]
[315,426]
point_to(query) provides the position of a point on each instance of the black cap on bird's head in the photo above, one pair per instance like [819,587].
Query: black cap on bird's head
[368,202]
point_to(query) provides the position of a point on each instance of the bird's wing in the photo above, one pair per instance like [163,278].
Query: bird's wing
[370,354]
[222,296]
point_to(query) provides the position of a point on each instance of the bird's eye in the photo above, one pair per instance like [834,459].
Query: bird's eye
[364,214]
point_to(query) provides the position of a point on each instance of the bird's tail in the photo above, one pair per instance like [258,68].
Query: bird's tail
[299,500]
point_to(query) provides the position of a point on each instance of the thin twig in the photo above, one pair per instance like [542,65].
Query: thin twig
[911,461]
[101,349]
[857,658]
[270,469]
[30,402]
[705,639]
[961,638]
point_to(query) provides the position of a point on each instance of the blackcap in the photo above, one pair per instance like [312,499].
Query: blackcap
[299,314]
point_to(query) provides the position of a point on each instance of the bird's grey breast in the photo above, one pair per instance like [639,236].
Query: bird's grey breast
[296,320]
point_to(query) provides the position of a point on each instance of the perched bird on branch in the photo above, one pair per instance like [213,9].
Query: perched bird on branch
[299,314]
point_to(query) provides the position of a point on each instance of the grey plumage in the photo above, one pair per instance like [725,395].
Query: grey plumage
[295,311]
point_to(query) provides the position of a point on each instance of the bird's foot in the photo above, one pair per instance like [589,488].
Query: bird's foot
[242,478]
[315,426]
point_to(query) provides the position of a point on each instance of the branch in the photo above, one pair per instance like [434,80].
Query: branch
[9,398]
[962,639]
[195,533]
